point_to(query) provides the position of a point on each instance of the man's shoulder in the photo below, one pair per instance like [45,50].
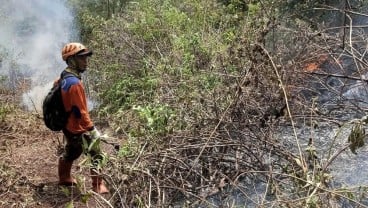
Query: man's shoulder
[68,82]
[72,79]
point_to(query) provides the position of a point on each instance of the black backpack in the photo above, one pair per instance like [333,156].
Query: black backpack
[54,114]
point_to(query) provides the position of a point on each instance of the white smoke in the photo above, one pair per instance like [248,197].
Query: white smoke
[32,33]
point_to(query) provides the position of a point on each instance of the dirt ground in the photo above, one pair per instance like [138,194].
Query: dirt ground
[28,164]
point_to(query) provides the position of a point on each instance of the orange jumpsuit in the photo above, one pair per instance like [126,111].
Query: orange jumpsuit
[79,121]
[74,99]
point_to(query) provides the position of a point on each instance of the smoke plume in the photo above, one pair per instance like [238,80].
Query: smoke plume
[32,33]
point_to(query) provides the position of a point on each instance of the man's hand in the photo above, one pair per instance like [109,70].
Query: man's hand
[94,134]
[93,142]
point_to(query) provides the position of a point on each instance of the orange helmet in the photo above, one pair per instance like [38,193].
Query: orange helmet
[71,49]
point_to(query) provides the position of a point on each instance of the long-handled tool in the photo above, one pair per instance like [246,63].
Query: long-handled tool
[105,139]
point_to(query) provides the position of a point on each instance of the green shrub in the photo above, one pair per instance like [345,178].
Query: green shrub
[156,118]
[5,109]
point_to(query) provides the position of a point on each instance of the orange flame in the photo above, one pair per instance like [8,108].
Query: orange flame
[314,66]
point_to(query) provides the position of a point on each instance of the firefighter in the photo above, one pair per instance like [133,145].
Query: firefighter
[79,127]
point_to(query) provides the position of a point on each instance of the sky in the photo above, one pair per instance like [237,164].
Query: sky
[32,33]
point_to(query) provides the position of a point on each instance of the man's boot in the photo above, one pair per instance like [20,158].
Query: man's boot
[64,169]
[98,184]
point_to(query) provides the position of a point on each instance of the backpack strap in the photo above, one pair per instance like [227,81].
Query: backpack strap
[63,76]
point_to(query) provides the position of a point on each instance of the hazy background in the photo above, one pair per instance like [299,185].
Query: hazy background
[32,33]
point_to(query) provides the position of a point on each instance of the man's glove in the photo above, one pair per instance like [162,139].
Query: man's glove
[94,134]
[94,143]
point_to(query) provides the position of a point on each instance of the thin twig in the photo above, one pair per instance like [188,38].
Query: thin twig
[337,75]
[102,198]
[304,166]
